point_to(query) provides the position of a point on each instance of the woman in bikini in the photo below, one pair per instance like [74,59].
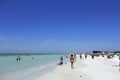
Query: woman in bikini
[72,60]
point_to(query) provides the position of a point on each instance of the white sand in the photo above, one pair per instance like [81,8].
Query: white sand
[102,69]
[96,69]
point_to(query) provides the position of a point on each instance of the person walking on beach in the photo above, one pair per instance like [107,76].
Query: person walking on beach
[85,56]
[80,56]
[92,56]
[72,61]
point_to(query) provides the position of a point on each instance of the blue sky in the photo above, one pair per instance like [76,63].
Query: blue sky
[59,26]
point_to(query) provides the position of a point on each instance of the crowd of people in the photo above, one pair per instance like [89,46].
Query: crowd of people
[73,59]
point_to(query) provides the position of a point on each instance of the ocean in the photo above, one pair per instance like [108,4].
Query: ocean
[28,67]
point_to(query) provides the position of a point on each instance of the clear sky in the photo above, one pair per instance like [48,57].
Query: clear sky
[59,25]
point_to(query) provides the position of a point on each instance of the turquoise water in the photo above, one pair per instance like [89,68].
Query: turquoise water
[28,65]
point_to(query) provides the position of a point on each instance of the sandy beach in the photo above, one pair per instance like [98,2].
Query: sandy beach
[44,39]
[90,69]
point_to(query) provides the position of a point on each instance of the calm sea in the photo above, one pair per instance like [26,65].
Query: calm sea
[28,67]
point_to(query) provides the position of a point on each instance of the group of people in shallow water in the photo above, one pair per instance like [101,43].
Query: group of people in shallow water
[18,58]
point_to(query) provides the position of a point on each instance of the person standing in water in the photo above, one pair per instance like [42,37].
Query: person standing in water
[18,58]
[72,60]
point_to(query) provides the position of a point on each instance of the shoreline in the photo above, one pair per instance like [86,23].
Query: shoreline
[28,74]
[89,69]
[98,68]
[64,72]
[10,64]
